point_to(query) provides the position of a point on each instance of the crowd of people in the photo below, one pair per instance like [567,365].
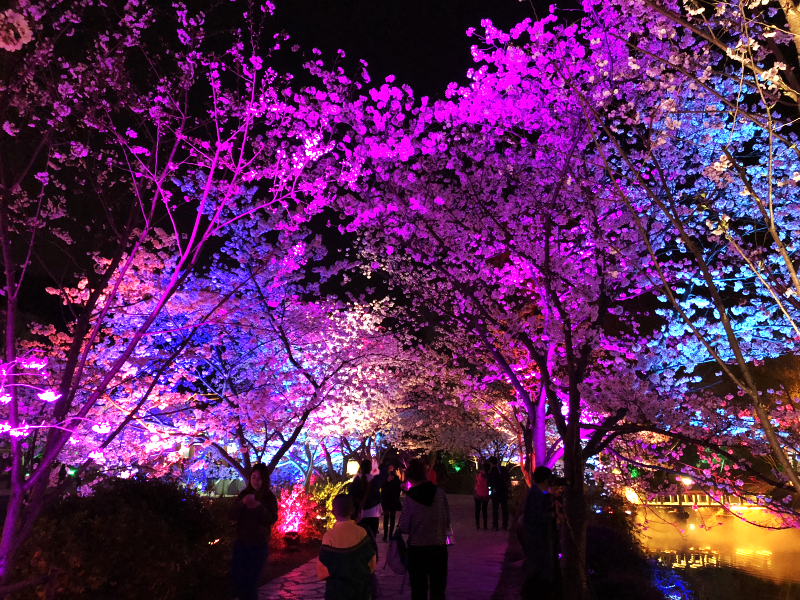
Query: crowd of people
[350,548]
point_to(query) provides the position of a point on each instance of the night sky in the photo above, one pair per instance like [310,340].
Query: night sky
[421,42]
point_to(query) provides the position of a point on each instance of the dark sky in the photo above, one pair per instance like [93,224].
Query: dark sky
[422,42]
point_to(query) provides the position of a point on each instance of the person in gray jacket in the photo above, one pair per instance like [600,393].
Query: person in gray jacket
[426,519]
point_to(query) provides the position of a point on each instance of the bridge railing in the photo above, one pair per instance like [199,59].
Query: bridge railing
[699,499]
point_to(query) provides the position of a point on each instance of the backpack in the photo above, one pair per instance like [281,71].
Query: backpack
[359,488]
[481,486]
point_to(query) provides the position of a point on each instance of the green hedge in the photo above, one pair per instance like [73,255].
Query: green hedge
[132,539]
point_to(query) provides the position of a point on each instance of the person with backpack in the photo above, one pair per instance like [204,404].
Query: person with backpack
[481,495]
[499,481]
[390,502]
[347,557]
[426,520]
[255,511]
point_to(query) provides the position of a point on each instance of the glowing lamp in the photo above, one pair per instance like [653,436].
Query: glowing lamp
[631,495]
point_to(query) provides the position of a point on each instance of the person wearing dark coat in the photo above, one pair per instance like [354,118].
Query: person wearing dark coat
[498,491]
[426,520]
[390,502]
[255,511]
[540,540]
[441,473]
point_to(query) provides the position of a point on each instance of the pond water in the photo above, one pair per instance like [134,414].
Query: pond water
[725,541]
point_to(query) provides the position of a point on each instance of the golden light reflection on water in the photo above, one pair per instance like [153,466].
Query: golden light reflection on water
[700,541]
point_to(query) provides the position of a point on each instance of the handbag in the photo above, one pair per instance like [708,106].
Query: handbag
[451,539]
[397,554]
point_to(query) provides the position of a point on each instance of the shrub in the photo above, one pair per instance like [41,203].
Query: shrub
[323,493]
[131,539]
[297,512]
[618,569]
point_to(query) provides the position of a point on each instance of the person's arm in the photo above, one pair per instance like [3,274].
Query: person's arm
[446,509]
[270,513]
[322,570]
[372,563]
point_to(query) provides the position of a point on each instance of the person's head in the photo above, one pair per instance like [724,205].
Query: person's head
[542,477]
[365,467]
[258,479]
[487,467]
[417,472]
[493,461]
[342,507]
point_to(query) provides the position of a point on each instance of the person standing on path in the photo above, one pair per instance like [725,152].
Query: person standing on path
[426,520]
[539,540]
[255,511]
[440,472]
[366,492]
[498,491]
[347,557]
[390,502]
[481,495]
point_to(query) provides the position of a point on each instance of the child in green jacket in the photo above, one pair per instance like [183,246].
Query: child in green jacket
[347,557]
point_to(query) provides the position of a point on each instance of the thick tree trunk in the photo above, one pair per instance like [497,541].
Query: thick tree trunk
[573,529]
[539,417]
[526,452]
[539,422]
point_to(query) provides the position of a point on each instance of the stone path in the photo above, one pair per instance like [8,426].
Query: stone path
[474,565]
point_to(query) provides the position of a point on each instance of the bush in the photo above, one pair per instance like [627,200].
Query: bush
[617,567]
[297,513]
[323,493]
[131,539]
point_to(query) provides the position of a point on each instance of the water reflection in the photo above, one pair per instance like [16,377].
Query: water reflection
[687,544]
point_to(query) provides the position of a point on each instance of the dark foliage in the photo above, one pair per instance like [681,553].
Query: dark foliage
[130,540]
[616,565]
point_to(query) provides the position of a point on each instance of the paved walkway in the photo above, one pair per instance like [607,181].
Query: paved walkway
[474,565]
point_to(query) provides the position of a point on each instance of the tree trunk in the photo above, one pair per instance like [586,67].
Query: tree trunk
[573,529]
[526,453]
[539,423]
[333,476]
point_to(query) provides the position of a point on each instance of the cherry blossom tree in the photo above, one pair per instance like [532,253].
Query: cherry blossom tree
[704,159]
[485,212]
[437,408]
[276,370]
[496,215]
[125,143]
